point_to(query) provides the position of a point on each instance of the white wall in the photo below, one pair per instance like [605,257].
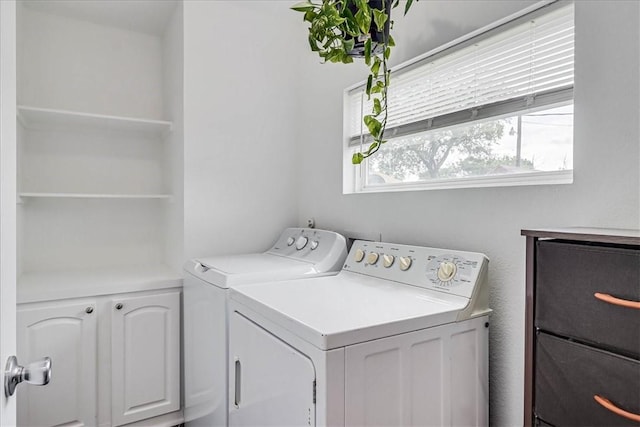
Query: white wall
[76,65]
[605,192]
[239,135]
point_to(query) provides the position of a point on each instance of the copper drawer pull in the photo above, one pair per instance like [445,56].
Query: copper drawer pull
[606,403]
[617,301]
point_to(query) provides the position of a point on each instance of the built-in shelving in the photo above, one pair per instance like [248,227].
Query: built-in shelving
[92,196]
[46,118]
[53,285]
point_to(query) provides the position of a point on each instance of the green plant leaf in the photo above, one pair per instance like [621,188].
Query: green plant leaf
[391,42]
[348,45]
[369,84]
[350,24]
[303,6]
[379,17]
[357,158]
[346,58]
[335,55]
[407,6]
[372,148]
[373,125]
[363,18]
[309,16]
[313,44]
[377,107]
[387,53]
[395,4]
[375,67]
[367,51]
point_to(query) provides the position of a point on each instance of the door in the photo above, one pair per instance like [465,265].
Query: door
[7,199]
[66,332]
[270,382]
[145,352]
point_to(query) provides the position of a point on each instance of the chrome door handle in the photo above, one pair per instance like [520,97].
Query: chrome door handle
[36,373]
[238,383]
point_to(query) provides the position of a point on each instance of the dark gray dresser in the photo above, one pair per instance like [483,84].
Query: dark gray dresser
[582,338]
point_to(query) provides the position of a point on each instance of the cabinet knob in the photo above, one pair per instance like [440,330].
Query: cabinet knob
[119,306]
[89,310]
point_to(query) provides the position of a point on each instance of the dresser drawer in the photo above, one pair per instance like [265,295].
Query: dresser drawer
[567,277]
[568,375]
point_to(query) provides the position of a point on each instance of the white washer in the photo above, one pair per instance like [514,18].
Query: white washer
[298,253]
[398,338]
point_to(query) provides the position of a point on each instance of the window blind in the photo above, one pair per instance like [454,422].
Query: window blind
[523,64]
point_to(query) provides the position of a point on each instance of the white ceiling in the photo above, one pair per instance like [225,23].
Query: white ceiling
[145,16]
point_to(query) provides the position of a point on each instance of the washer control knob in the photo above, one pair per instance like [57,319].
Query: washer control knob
[387,260]
[290,241]
[358,256]
[301,242]
[314,245]
[405,263]
[372,258]
[446,271]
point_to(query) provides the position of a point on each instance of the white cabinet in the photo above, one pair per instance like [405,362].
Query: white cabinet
[145,357]
[138,379]
[66,332]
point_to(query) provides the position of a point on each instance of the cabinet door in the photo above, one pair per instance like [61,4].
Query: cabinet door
[145,351]
[66,332]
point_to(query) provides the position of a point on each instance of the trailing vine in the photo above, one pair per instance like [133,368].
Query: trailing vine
[343,29]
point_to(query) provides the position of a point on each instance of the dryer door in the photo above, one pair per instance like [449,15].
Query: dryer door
[270,382]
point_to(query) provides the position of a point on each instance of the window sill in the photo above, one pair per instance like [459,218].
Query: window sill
[533,178]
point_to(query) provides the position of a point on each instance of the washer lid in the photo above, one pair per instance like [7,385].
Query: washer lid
[332,312]
[231,270]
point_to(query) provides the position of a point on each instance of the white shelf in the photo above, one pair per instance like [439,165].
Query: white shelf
[47,286]
[92,196]
[46,118]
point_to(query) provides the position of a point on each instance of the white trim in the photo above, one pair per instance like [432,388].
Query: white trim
[507,180]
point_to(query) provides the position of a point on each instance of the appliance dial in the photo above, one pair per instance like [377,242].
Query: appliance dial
[290,241]
[301,242]
[446,271]
[314,245]
[387,260]
[405,263]
[359,255]
[372,258]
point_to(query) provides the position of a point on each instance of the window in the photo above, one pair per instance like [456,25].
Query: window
[491,109]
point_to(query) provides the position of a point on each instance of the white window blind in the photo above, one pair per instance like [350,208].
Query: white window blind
[523,64]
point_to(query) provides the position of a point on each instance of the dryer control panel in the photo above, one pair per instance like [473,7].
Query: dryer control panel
[449,271]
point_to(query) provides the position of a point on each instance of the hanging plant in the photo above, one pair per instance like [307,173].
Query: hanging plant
[341,30]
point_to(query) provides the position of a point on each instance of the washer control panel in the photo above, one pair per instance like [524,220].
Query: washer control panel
[449,271]
[309,244]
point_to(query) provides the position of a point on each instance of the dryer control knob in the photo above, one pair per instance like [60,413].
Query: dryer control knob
[446,271]
[314,245]
[359,255]
[405,263]
[372,258]
[301,242]
[387,260]
[290,241]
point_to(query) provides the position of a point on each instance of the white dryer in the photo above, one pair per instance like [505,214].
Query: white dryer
[299,253]
[398,338]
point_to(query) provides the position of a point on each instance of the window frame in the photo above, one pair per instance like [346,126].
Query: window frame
[354,181]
